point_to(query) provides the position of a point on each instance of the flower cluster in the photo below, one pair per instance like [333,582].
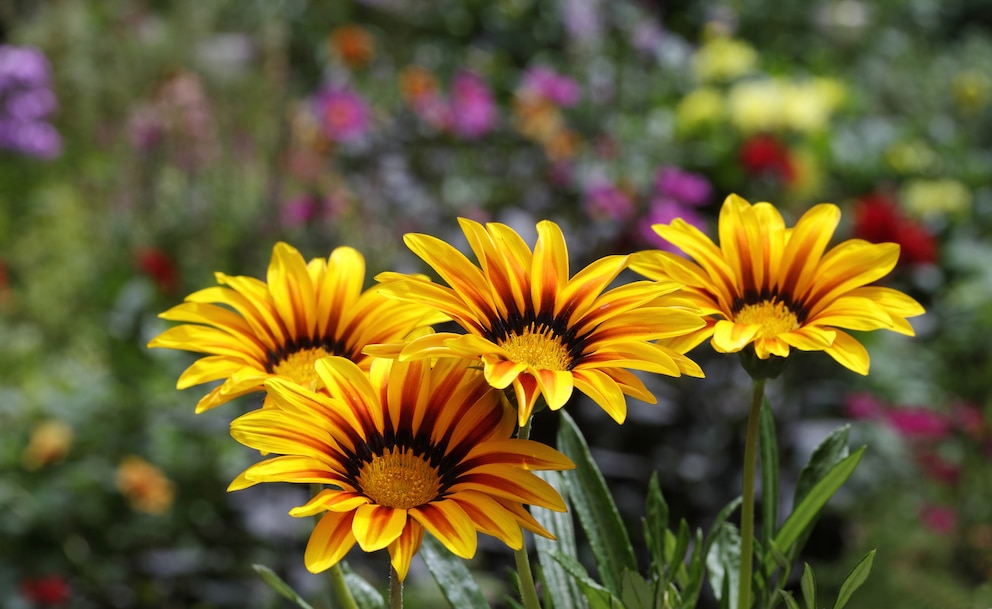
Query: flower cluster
[26,103]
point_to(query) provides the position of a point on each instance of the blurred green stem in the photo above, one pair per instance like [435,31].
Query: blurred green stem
[395,589]
[528,593]
[747,505]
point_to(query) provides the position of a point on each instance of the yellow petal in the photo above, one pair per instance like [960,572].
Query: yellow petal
[849,352]
[490,517]
[401,551]
[500,373]
[211,368]
[330,500]
[526,454]
[730,337]
[292,293]
[549,270]
[339,288]
[448,522]
[377,526]
[510,483]
[603,390]
[330,541]
[555,385]
[807,240]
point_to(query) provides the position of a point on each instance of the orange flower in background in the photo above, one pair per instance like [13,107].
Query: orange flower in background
[407,448]
[774,288]
[353,44]
[252,330]
[417,83]
[146,488]
[50,443]
[536,328]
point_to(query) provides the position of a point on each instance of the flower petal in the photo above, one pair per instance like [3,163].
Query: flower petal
[377,526]
[447,521]
[330,541]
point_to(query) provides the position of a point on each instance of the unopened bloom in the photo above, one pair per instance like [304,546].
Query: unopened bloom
[775,289]
[408,447]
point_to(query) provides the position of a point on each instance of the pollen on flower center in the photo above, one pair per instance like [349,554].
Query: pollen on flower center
[541,349]
[773,316]
[298,365]
[399,478]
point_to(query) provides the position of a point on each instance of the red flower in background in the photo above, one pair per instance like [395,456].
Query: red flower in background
[763,155]
[159,266]
[50,590]
[877,218]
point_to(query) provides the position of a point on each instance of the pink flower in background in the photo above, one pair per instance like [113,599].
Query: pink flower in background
[938,468]
[919,423]
[685,187]
[863,405]
[605,200]
[544,82]
[939,519]
[299,210]
[343,114]
[473,111]
[662,211]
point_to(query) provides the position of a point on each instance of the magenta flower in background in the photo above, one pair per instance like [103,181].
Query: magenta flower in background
[26,101]
[544,82]
[864,406]
[472,110]
[299,210]
[662,211]
[605,200]
[685,187]
[343,114]
[919,423]
[939,519]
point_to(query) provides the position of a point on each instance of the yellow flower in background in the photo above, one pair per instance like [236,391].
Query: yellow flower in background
[774,287]
[912,157]
[408,447]
[929,198]
[722,59]
[535,327]
[700,108]
[50,443]
[146,488]
[253,330]
[756,105]
[808,105]
[972,90]
[807,174]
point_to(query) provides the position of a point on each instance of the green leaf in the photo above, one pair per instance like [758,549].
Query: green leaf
[721,517]
[790,601]
[768,446]
[452,576]
[803,515]
[723,561]
[808,585]
[636,593]
[656,523]
[365,594]
[276,583]
[676,563]
[594,505]
[854,580]
[828,453]
[598,596]
[693,583]
[557,582]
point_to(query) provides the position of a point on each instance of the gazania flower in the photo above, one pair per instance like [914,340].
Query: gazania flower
[537,329]
[280,328]
[774,287]
[406,448]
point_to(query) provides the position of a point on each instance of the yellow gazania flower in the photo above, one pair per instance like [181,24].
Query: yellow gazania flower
[535,328]
[280,328]
[774,287]
[407,447]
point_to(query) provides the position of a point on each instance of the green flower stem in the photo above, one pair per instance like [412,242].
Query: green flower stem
[338,584]
[528,591]
[747,505]
[395,589]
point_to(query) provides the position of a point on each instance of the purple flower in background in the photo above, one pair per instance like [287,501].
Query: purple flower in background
[685,187]
[647,37]
[582,20]
[606,200]
[662,211]
[26,101]
[473,111]
[343,114]
[545,82]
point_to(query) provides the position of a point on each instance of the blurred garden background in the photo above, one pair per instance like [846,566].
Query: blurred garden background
[146,144]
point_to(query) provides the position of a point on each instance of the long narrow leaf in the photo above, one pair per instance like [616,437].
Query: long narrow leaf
[594,505]
[276,583]
[854,580]
[559,584]
[831,451]
[599,597]
[452,576]
[808,586]
[366,595]
[656,523]
[803,515]
[637,593]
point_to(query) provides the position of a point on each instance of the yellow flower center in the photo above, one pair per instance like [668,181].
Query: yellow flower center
[773,316]
[298,365]
[539,349]
[398,478]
